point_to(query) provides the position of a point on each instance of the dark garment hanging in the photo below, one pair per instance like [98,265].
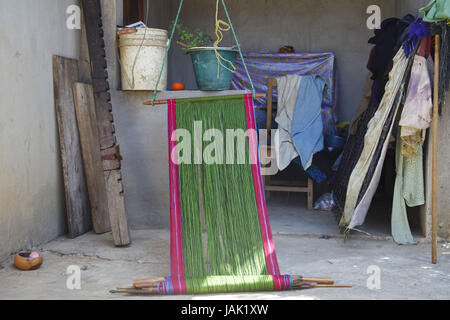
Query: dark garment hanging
[444,62]
[387,43]
[350,156]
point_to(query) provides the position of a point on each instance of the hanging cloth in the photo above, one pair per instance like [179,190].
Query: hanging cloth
[436,11]
[287,88]
[307,125]
[409,188]
[371,140]
[418,108]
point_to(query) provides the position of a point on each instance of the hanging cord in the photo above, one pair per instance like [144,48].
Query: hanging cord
[221,26]
[239,47]
[167,51]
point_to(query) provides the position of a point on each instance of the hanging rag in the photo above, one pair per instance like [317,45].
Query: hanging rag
[418,108]
[307,125]
[375,128]
[409,188]
[288,90]
[417,111]
[436,11]
[416,31]
[373,175]
[380,63]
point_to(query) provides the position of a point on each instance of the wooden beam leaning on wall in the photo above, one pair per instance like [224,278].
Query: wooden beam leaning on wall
[87,126]
[65,72]
[105,122]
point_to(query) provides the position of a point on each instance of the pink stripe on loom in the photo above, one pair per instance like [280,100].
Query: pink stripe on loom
[266,232]
[176,233]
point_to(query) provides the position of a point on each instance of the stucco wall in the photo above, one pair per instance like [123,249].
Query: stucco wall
[32,209]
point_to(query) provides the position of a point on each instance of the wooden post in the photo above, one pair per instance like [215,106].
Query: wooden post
[435,152]
[65,72]
[90,146]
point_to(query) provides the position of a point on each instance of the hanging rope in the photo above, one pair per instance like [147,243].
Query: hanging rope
[167,51]
[219,33]
[221,26]
[239,47]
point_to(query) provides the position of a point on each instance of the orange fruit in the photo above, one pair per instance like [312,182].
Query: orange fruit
[177,86]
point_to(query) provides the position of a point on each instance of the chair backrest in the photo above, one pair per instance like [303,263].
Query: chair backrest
[271,84]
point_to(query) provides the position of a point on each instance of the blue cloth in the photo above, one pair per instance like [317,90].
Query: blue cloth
[413,34]
[307,125]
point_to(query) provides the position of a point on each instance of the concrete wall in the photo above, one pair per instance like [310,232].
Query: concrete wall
[410,6]
[32,207]
[308,25]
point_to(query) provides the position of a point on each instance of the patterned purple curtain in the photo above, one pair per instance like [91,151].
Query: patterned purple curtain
[263,66]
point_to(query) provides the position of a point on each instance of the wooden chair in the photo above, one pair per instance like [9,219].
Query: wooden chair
[272,185]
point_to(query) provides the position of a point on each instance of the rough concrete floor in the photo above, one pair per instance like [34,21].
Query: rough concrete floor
[406,271]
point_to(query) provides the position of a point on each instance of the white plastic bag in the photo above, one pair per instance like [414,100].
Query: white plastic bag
[325,203]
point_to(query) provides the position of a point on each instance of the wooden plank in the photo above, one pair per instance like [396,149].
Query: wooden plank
[287,183]
[286,189]
[105,121]
[310,194]
[272,83]
[434,186]
[116,206]
[65,72]
[90,146]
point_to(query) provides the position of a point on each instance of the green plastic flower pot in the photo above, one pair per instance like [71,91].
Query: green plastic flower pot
[206,66]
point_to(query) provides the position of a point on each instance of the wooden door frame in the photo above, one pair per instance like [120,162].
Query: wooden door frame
[127,14]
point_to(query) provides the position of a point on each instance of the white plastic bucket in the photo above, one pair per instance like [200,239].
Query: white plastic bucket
[141,58]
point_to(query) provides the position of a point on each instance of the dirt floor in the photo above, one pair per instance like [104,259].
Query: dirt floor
[405,271]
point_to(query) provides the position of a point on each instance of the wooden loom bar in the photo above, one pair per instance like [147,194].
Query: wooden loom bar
[158,102]
[435,152]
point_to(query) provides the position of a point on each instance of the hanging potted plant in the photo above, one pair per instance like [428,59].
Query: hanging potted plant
[213,66]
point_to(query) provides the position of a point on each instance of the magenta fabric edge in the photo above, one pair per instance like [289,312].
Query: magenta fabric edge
[176,237]
[266,232]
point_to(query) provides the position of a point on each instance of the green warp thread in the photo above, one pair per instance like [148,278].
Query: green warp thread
[220,199]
